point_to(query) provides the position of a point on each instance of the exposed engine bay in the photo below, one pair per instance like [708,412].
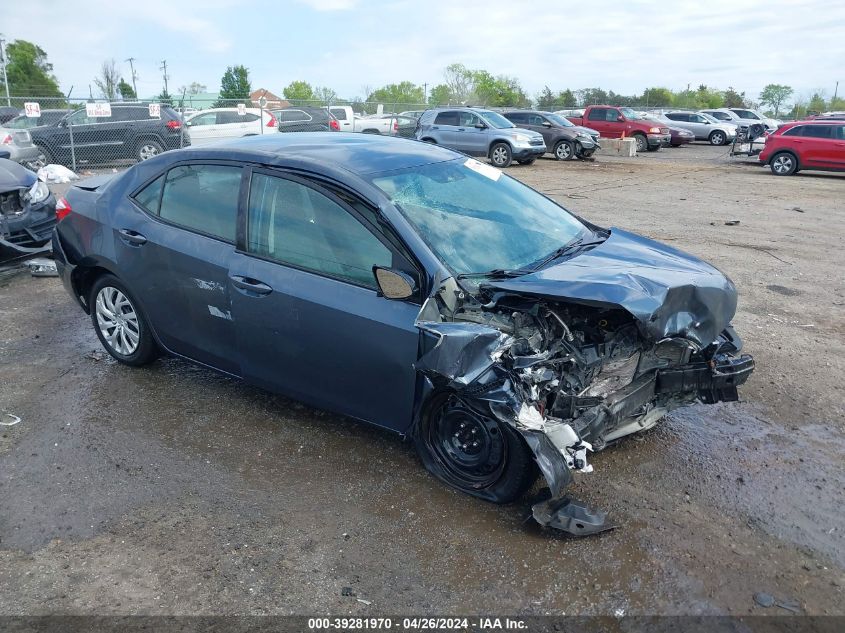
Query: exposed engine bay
[570,378]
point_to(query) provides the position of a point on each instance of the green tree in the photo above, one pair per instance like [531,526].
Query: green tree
[498,91]
[566,99]
[404,92]
[837,104]
[733,99]
[592,96]
[546,100]
[126,91]
[28,71]
[460,82]
[194,88]
[440,95]
[234,86]
[659,97]
[298,91]
[709,97]
[774,95]
[817,102]
[324,94]
[164,98]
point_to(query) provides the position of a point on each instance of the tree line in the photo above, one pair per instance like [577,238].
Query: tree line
[31,75]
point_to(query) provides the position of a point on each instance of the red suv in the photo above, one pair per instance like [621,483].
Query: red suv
[805,145]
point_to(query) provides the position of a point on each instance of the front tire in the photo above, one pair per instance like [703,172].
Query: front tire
[642,142]
[717,137]
[564,150]
[527,161]
[501,155]
[783,164]
[473,452]
[120,325]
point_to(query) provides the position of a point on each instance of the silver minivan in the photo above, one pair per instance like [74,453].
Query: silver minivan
[704,126]
[480,132]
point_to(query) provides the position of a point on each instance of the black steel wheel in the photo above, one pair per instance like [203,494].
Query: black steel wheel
[473,452]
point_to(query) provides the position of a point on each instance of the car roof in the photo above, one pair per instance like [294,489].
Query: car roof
[357,153]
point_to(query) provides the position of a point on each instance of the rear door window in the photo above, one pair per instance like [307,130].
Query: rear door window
[601,114]
[798,130]
[818,131]
[150,196]
[203,198]
[339,114]
[449,117]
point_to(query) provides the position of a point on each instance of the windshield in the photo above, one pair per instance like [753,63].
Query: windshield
[476,219]
[630,114]
[562,121]
[495,119]
[707,117]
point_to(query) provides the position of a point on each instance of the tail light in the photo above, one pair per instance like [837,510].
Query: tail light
[7,140]
[62,209]
[272,121]
[333,124]
[173,124]
[395,126]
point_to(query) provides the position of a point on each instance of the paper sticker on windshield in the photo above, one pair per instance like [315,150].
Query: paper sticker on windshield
[485,170]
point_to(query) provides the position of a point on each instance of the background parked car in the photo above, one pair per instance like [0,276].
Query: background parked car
[563,138]
[27,211]
[208,126]
[818,145]
[677,136]
[613,122]
[413,114]
[129,133]
[752,117]
[404,126]
[304,119]
[21,148]
[479,132]
[731,115]
[23,122]
[703,126]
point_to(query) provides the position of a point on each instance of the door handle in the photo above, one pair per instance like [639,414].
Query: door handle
[250,285]
[132,238]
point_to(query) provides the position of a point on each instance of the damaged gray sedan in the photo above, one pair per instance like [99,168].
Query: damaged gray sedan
[408,286]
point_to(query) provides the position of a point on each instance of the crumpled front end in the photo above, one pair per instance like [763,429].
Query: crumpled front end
[570,378]
[27,214]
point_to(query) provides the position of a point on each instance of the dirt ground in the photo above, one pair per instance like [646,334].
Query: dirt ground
[173,490]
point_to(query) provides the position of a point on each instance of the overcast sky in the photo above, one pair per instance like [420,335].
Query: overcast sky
[620,45]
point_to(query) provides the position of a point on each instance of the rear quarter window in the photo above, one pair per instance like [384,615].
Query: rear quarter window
[446,118]
[150,196]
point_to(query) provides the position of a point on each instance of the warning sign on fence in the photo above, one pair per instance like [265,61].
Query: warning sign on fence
[32,109]
[155,110]
[98,109]
[241,109]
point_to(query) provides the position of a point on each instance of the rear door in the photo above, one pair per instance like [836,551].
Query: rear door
[310,322]
[203,128]
[443,128]
[174,245]
[344,118]
[536,124]
[823,146]
[230,124]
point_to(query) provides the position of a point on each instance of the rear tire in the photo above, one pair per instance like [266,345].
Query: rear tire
[527,161]
[148,149]
[564,150]
[501,155]
[119,323]
[474,453]
[783,164]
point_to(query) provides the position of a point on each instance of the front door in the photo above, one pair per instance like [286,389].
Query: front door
[310,322]
[470,138]
[174,248]
[203,128]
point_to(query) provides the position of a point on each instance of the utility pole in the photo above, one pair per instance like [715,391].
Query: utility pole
[5,78]
[425,92]
[163,68]
[131,61]
[835,90]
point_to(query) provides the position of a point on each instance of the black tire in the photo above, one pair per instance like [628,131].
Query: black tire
[674,145]
[498,467]
[501,155]
[147,148]
[527,161]
[654,148]
[145,350]
[783,164]
[642,142]
[564,150]
[717,137]
[49,158]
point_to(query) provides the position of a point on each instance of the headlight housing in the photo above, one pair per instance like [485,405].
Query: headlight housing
[654,130]
[37,193]
[522,138]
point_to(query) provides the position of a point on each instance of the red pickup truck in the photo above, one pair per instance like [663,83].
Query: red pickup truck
[614,122]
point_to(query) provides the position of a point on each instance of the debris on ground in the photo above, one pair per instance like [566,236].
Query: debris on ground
[15,420]
[362,601]
[798,209]
[731,222]
[347,591]
[42,267]
[56,174]
[96,355]
[765,600]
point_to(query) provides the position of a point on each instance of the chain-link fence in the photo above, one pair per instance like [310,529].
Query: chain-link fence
[83,134]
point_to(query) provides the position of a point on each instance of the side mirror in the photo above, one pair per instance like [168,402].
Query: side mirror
[4,153]
[394,284]
[547,124]
[480,126]
[620,119]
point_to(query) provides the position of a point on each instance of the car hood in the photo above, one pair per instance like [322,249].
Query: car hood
[522,130]
[580,129]
[13,175]
[670,293]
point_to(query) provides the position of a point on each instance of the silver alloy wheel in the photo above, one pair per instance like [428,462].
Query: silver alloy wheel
[148,150]
[500,155]
[642,143]
[717,138]
[117,320]
[782,164]
[563,151]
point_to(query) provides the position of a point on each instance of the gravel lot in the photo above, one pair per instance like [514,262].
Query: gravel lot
[173,490]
